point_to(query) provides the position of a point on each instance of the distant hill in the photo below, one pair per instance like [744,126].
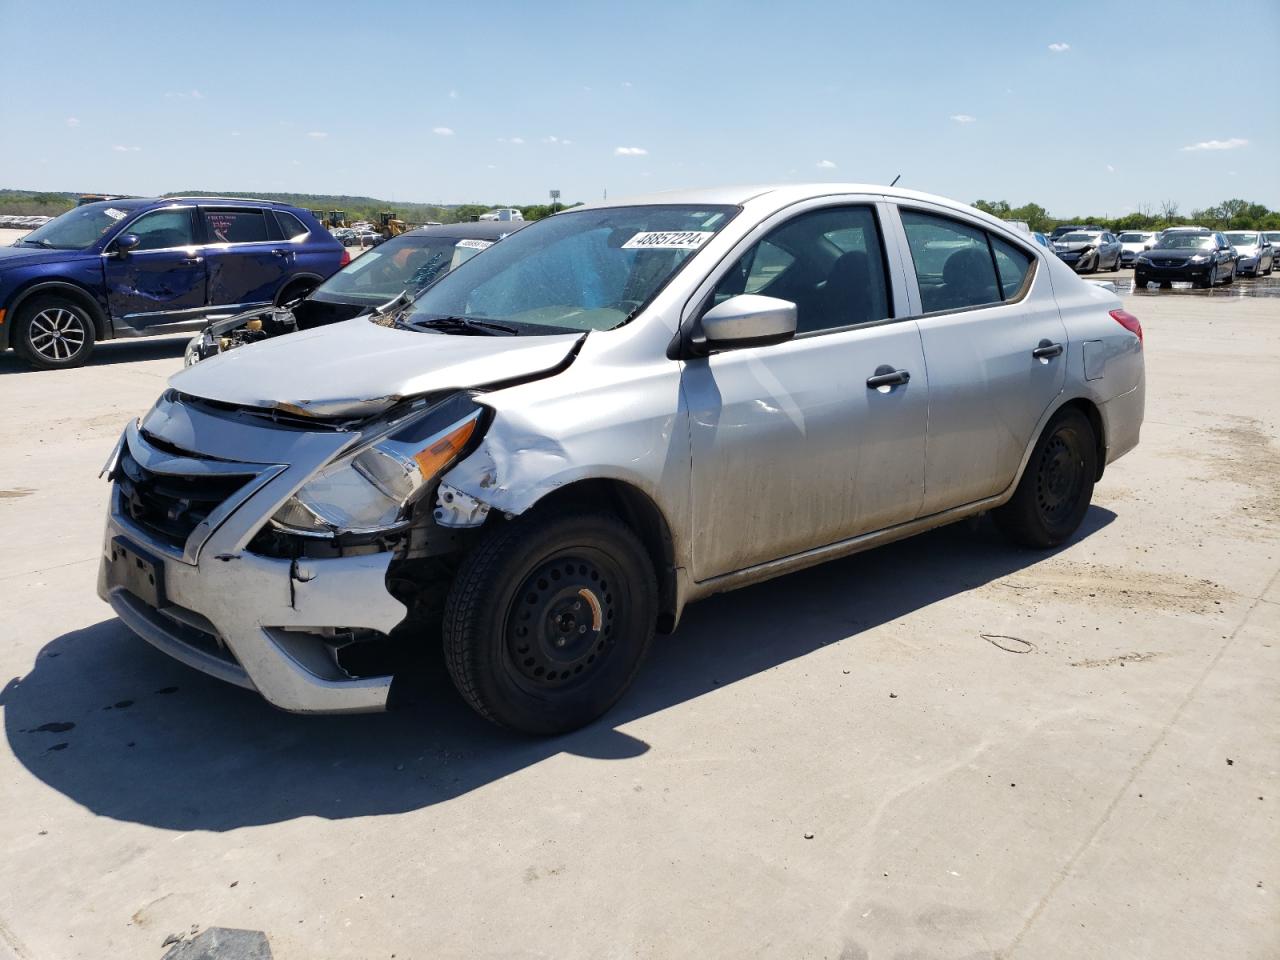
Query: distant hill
[49,203]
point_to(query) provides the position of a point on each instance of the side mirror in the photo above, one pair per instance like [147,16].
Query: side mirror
[748,320]
[126,242]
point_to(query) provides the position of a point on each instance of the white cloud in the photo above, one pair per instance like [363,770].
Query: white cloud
[963,118]
[626,83]
[826,165]
[1059,47]
[1231,144]
[295,163]
[491,166]
[119,148]
[453,94]
[551,139]
[566,142]
[1110,168]
[185,95]
[197,95]
[442,131]
[235,133]
[317,134]
[517,140]
[630,151]
[73,121]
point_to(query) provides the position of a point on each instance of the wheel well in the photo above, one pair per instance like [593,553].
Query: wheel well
[303,282]
[72,292]
[641,514]
[1090,410]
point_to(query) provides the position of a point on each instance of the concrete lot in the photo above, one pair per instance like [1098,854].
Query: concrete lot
[947,748]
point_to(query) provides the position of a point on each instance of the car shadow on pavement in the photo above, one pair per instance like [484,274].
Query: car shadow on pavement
[131,734]
[112,352]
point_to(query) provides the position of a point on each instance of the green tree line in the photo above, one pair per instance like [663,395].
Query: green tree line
[1228,215]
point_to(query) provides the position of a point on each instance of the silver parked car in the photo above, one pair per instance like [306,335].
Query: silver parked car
[1257,255]
[1089,251]
[619,410]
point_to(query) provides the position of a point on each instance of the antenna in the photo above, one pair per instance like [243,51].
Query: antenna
[895,180]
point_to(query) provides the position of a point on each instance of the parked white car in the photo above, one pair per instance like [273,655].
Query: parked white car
[503,213]
[614,412]
[1133,242]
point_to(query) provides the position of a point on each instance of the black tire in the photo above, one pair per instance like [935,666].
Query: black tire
[53,333]
[1139,280]
[1211,279]
[1270,266]
[549,619]
[1231,277]
[1055,490]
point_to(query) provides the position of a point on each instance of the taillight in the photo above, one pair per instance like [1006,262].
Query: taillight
[1128,321]
[346,258]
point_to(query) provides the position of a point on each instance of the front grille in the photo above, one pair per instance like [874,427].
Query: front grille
[1169,264]
[170,506]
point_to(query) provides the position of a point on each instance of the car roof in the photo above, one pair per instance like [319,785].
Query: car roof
[779,196]
[471,230]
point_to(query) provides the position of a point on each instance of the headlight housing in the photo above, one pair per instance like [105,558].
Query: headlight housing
[1143,258]
[370,489]
[1199,258]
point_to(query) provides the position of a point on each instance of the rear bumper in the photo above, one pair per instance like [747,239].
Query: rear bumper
[1122,420]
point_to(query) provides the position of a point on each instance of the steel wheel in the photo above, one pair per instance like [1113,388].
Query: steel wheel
[559,627]
[1059,478]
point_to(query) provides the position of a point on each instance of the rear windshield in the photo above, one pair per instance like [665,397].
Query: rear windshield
[1133,237]
[1242,239]
[1077,237]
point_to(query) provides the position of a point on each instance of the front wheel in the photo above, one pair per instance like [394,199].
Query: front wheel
[53,333]
[1055,490]
[548,620]
[1231,277]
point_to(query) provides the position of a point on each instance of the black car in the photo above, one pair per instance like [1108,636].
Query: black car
[1203,258]
[407,263]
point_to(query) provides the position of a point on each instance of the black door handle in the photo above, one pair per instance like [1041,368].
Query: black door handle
[1046,350]
[886,376]
[281,253]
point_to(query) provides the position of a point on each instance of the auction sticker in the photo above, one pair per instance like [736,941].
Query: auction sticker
[474,244]
[669,240]
[114,214]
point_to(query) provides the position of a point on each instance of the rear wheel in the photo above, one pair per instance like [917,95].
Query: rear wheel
[1055,490]
[294,291]
[548,620]
[53,333]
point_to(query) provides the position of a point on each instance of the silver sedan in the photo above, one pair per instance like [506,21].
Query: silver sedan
[618,411]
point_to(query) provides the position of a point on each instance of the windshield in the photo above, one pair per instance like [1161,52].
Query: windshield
[405,263]
[1242,239]
[1078,238]
[1133,237]
[79,227]
[1273,237]
[582,270]
[1184,241]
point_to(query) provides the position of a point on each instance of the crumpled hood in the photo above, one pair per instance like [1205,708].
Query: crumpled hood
[359,368]
[1075,246]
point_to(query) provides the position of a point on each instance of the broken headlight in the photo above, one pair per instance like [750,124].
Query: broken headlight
[370,489]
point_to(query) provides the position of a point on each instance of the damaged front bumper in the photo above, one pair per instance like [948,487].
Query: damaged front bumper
[191,586]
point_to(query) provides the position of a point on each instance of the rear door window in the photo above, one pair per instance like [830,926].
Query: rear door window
[953,263]
[235,226]
[162,229]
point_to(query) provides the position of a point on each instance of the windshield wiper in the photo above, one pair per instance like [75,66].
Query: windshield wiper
[39,243]
[468,324]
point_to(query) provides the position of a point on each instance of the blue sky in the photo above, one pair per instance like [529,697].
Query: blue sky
[1083,107]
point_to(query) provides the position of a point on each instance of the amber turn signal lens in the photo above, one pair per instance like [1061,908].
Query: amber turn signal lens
[440,454]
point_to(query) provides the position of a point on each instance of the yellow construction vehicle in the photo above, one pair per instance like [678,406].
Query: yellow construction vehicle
[391,225]
[338,218]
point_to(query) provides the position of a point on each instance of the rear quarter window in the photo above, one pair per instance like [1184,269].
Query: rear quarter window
[290,226]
